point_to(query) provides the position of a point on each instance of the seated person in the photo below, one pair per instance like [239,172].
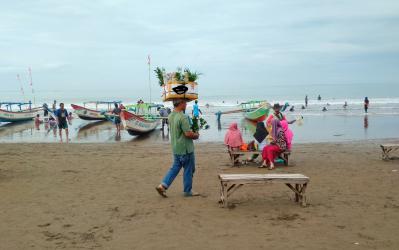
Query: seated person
[233,139]
[260,137]
[288,134]
[276,147]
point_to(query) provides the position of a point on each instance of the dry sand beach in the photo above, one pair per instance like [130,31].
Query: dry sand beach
[101,196]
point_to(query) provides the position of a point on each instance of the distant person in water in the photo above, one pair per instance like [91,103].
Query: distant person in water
[366,104]
[62,115]
[292,109]
[306,100]
[54,105]
[345,105]
[303,107]
[324,109]
[117,113]
[319,98]
[196,111]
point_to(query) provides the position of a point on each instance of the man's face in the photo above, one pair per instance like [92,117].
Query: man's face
[184,105]
[276,110]
[62,106]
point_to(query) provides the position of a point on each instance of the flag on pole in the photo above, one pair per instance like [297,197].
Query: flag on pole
[149,59]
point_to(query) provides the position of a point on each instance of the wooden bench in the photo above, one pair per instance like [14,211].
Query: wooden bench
[387,149]
[247,154]
[229,183]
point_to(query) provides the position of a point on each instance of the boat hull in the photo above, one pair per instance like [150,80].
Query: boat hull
[136,125]
[88,114]
[26,115]
[258,114]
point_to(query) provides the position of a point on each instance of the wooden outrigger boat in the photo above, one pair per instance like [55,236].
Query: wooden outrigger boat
[139,120]
[256,110]
[94,114]
[8,115]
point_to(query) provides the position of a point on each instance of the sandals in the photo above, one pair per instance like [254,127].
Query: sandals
[262,166]
[161,191]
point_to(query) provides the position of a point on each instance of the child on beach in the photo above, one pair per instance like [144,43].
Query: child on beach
[37,121]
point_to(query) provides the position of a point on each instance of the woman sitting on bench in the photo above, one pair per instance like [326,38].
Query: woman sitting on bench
[276,147]
[233,139]
[288,134]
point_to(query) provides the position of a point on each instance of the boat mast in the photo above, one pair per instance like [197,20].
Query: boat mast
[31,85]
[22,88]
[149,74]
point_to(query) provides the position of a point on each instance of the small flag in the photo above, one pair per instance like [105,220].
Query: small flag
[149,59]
[20,83]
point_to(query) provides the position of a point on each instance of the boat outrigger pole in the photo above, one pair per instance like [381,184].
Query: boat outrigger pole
[149,74]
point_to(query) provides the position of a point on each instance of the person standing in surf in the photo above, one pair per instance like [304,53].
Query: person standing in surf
[62,115]
[117,112]
[366,104]
[181,138]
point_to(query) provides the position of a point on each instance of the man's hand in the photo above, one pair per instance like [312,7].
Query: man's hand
[191,135]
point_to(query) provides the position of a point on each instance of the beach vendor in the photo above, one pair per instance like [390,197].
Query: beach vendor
[233,139]
[62,115]
[117,112]
[181,137]
[275,115]
[196,111]
[277,145]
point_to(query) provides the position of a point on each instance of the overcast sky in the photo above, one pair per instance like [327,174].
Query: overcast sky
[85,45]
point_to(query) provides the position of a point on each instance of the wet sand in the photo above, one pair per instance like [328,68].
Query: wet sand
[101,196]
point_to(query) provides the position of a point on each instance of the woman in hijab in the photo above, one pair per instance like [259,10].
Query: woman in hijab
[278,145]
[233,138]
[288,134]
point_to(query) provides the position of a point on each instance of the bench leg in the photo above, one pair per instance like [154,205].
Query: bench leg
[223,196]
[299,191]
[303,190]
[297,186]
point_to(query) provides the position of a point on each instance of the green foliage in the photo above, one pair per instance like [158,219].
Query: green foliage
[159,72]
[179,75]
[198,123]
[192,76]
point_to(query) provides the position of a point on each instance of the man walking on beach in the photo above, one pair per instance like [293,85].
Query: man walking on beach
[181,137]
[62,115]
[306,101]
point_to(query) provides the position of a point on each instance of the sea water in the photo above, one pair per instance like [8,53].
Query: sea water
[336,124]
